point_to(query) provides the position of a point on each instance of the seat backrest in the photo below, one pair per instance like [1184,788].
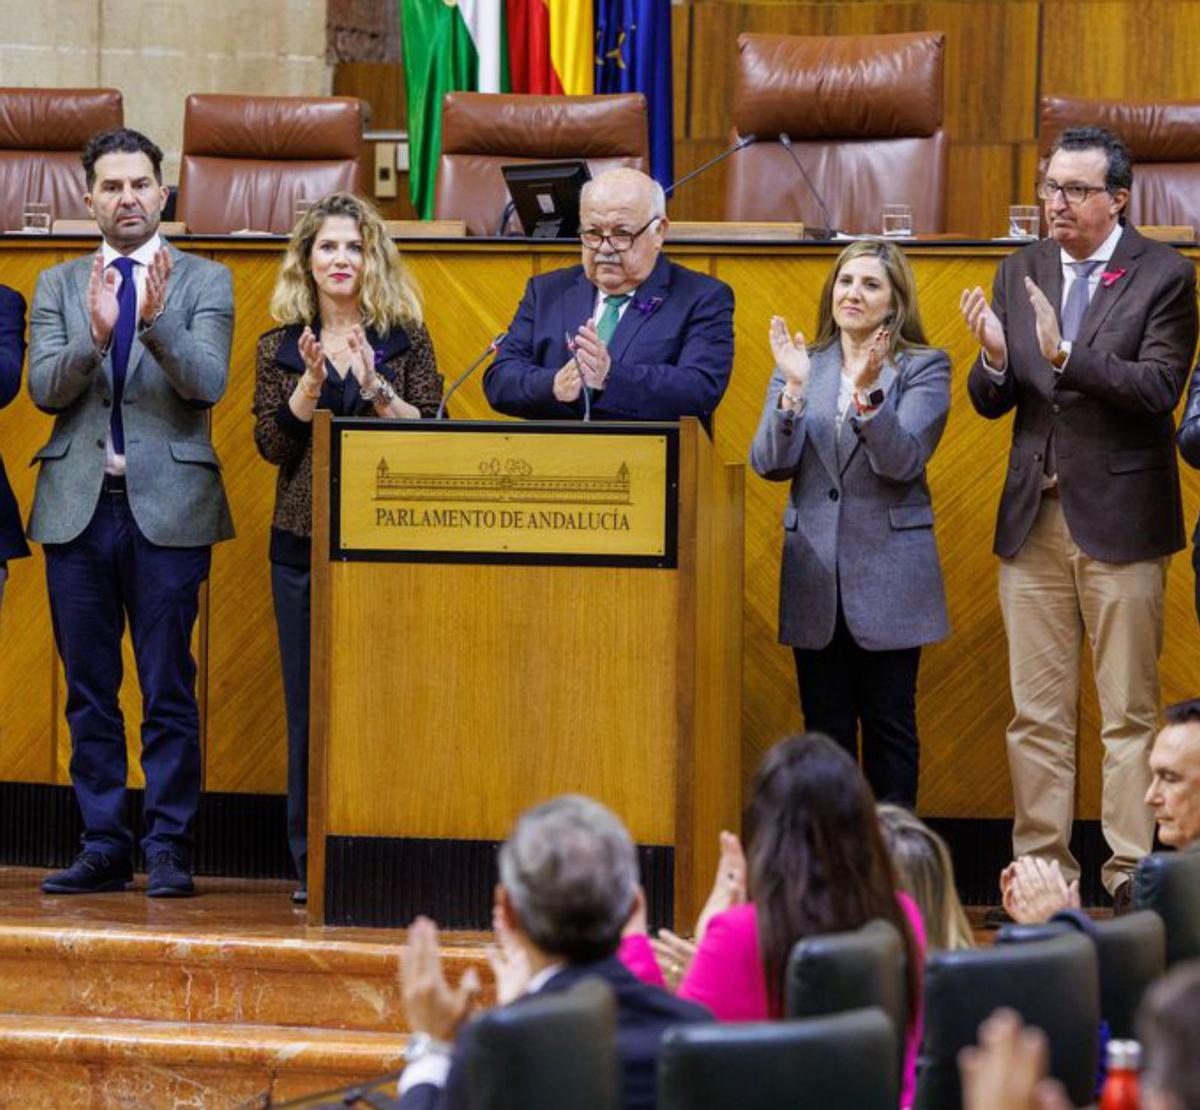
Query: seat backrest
[1131,954]
[1052,983]
[848,971]
[548,1051]
[42,134]
[864,113]
[1169,884]
[247,159]
[842,1062]
[1164,138]
[483,131]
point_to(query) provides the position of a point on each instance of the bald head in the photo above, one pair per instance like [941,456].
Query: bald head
[622,214]
[1174,793]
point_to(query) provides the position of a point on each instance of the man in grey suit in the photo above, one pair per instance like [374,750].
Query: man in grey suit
[129,348]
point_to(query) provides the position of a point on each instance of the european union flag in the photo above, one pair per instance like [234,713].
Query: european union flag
[633,54]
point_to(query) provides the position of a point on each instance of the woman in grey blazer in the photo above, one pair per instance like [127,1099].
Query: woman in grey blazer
[851,424]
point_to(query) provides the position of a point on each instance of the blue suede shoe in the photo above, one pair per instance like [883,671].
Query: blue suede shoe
[93,872]
[168,876]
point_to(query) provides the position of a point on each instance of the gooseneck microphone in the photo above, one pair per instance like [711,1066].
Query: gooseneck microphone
[828,231]
[744,141]
[490,349]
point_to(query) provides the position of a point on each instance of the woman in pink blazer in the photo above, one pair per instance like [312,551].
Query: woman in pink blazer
[817,864]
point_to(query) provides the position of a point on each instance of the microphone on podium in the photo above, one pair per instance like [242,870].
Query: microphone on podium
[744,141]
[828,231]
[490,349]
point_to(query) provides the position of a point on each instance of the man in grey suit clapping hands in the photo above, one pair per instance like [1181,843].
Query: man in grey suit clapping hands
[129,348]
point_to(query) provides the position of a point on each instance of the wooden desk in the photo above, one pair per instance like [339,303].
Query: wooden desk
[471,290]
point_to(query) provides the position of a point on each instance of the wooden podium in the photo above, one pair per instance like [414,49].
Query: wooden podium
[503,612]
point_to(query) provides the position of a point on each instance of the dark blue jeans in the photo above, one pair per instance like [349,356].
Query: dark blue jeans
[111,573]
[290,589]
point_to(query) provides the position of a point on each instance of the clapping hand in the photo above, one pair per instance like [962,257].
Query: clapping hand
[985,326]
[1007,1071]
[790,354]
[432,1005]
[508,960]
[568,382]
[674,955]
[591,353]
[729,883]
[314,358]
[154,292]
[102,301]
[876,356]
[1044,319]
[362,358]
[1034,890]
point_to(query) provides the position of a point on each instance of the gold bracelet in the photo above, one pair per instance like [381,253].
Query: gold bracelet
[303,389]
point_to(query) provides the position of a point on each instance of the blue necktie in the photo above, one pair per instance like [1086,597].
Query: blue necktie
[1078,297]
[122,341]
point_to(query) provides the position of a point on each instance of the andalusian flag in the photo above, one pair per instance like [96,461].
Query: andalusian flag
[449,45]
[524,46]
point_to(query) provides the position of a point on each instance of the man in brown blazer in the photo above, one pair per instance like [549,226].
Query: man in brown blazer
[1088,338]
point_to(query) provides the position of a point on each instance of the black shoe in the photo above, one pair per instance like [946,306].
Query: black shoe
[996,918]
[91,873]
[300,896]
[1123,899]
[168,876]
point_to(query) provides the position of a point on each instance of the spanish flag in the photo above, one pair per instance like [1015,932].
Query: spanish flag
[550,46]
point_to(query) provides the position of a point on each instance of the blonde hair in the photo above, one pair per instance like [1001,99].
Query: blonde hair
[905,327]
[926,874]
[387,294]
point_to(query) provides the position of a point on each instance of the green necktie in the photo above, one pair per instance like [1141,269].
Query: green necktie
[610,316]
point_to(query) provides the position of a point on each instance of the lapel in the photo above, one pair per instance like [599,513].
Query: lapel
[179,265]
[83,274]
[578,306]
[634,318]
[1129,246]
[822,412]
[848,441]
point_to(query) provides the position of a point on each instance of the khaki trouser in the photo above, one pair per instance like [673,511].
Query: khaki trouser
[1050,594]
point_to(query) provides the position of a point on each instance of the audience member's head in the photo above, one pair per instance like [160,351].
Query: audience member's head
[1168,1026]
[1174,792]
[926,873]
[125,193]
[569,878]
[622,227]
[1086,188]
[817,861]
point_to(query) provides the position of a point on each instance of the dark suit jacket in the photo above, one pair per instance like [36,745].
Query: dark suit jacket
[1111,407]
[12,354]
[644,1014]
[671,354]
[1189,433]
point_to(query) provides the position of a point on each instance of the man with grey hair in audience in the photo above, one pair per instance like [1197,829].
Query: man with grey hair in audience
[626,335]
[568,888]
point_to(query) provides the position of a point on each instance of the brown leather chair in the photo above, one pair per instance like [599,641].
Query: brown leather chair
[483,131]
[864,113]
[42,134]
[246,159]
[1164,139]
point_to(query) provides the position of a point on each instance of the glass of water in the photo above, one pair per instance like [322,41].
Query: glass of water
[35,218]
[1024,221]
[897,221]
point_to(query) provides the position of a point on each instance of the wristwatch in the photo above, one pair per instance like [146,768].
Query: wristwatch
[421,1045]
[380,394]
[1062,354]
[864,401]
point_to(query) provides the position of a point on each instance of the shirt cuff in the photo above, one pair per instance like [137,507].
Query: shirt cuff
[432,1070]
[997,375]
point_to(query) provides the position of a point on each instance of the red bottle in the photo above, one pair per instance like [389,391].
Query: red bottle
[1121,1084]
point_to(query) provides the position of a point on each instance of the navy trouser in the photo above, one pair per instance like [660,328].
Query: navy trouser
[290,589]
[108,574]
[842,685]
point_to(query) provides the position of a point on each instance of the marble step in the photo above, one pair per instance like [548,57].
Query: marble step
[64,1063]
[309,978]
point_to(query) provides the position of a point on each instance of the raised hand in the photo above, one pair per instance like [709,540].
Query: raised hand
[790,354]
[1044,319]
[729,883]
[1034,890]
[154,292]
[102,301]
[591,354]
[985,326]
[362,357]
[315,368]
[568,382]
[674,955]
[432,1005]
[876,356]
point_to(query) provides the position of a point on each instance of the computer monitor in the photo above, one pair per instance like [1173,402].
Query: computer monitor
[546,196]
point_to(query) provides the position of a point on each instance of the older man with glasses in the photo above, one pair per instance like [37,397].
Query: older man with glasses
[1088,339]
[627,335]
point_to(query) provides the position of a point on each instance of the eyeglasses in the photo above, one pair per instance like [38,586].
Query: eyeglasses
[1075,194]
[620,241]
